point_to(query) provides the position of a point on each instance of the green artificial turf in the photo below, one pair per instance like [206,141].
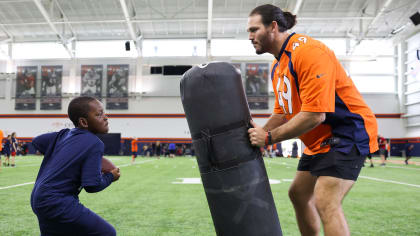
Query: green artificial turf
[145,201]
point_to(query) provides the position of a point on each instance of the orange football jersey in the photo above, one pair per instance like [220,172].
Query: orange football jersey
[306,76]
[134,147]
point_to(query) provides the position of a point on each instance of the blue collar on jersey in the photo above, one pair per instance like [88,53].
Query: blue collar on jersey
[284,46]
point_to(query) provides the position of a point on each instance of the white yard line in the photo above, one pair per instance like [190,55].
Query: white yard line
[408,168]
[366,177]
[16,185]
[389,181]
[282,164]
[136,163]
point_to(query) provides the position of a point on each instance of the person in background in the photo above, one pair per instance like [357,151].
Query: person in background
[149,151]
[279,148]
[25,148]
[158,149]
[172,149]
[14,148]
[382,149]
[369,156]
[153,151]
[294,150]
[1,145]
[6,150]
[408,149]
[134,150]
[165,150]
[145,148]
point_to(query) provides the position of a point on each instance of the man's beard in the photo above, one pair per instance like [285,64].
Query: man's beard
[264,42]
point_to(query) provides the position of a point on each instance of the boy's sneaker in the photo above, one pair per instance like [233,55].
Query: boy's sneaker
[406,162]
[371,166]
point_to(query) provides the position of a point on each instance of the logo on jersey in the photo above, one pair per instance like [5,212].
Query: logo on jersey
[320,75]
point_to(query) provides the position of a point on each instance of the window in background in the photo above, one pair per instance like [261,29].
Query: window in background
[174,47]
[232,47]
[38,51]
[90,49]
[378,73]
[384,65]
[374,47]
[4,51]
[337,45]
[374,84]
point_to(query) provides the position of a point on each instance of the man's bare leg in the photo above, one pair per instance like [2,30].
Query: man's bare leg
[329,193]
[301,194]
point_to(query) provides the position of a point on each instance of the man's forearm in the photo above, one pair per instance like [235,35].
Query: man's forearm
[298,125]
[274,121]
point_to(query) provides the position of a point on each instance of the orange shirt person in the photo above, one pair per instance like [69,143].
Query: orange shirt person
[316,101]
[1,141]
[1,145]
[134,149]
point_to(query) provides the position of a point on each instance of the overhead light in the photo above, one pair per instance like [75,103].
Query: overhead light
[397,30]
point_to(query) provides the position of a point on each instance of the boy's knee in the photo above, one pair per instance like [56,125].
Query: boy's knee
[108,230]
[112,231]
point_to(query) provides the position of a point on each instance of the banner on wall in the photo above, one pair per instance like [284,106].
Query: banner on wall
[91,80]
[25,87]
[51,80]
[256,85]
[117,87]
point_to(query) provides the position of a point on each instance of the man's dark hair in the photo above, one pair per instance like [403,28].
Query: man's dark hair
[270,13]
[79,107]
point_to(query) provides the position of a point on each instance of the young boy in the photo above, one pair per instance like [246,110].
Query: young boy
[72,161]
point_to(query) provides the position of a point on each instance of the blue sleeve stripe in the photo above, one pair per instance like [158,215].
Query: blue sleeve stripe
[274,70]
[292,71]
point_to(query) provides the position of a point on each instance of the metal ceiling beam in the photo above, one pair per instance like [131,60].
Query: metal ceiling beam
[52,26]
[297,7]
[371,24]
[209,27]
[5,31]
[65,19]
[133,35]
[182,20]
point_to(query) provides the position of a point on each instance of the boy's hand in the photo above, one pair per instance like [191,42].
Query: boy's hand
[116,173]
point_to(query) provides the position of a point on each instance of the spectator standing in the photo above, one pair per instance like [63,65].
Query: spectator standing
[382,149]
[6,151]
[408,149]
[14,148]
[158,149]
[172,149]
[134,150]
[294,150]
[1,145]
